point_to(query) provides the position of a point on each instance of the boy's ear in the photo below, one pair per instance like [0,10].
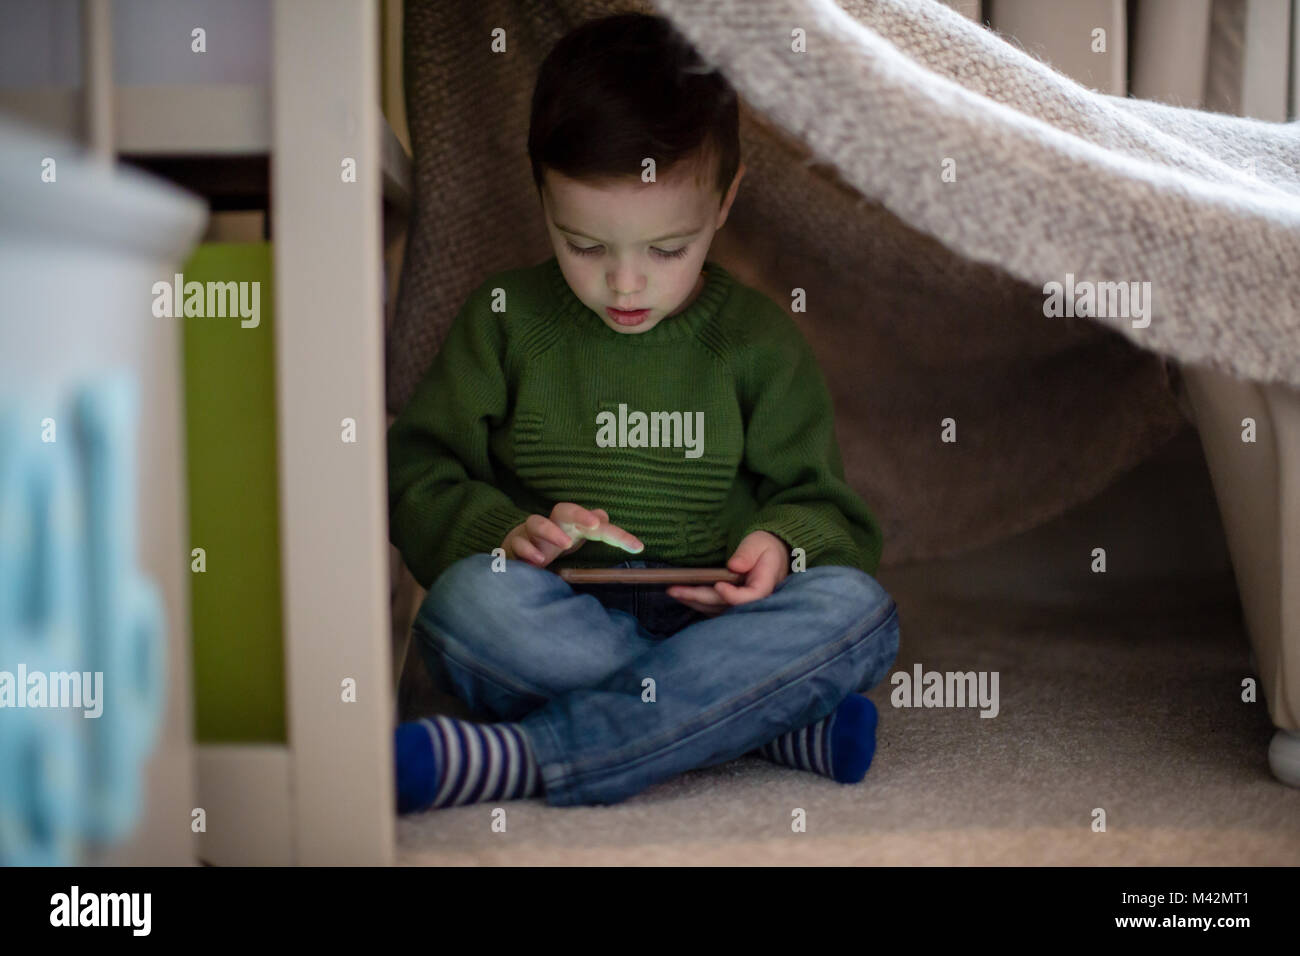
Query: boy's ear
[728,199]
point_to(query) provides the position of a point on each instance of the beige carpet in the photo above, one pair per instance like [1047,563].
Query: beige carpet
[1119,691]
[1139,716]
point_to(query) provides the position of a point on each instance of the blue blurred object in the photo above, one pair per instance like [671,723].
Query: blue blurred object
[73,601]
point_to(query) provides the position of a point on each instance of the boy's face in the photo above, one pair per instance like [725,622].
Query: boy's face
[631,245]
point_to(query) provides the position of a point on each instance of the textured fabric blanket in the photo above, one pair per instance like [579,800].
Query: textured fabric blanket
[989,251]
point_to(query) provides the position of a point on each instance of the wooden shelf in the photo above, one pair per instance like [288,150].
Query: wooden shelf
[158,125]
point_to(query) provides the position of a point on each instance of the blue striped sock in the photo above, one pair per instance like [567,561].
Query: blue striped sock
[839,746]
[444,762]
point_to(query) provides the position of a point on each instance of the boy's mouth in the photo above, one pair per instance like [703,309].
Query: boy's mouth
[626,317]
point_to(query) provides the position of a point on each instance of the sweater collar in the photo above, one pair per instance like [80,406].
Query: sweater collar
[718,283]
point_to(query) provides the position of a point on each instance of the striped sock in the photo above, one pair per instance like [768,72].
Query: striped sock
[444,762]
[839,746]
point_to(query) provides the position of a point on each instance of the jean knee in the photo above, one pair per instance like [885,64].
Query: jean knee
[876,605]
[460,581]
[887,639]
[468,585]
[870,597]
[854,588]
[484,609]
[451,597]
[867,604]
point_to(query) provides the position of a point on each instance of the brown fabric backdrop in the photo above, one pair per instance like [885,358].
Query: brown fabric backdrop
[1048,411]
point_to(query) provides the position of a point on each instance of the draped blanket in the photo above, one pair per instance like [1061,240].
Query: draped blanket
[1001,268]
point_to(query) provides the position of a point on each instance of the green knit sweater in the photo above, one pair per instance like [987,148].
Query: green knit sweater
[533,400]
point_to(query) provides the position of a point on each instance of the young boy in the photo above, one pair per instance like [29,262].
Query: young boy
[628,395]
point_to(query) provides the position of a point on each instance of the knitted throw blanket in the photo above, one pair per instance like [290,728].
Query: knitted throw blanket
[924,182]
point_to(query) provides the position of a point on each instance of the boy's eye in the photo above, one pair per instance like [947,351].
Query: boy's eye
[675,254]
[596,250]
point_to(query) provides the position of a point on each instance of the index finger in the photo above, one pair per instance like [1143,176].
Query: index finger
[613,534]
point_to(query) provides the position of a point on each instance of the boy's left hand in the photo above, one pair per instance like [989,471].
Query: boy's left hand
[761,557]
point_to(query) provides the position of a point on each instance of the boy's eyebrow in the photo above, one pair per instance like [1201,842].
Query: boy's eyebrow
[676,235]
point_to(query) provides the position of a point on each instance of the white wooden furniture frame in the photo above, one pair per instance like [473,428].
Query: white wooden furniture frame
[327,795]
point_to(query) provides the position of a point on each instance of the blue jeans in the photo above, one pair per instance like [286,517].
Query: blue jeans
[618,687]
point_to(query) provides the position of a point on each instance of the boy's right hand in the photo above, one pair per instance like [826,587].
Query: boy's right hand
[540,540]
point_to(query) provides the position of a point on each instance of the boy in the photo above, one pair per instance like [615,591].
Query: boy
[629,396]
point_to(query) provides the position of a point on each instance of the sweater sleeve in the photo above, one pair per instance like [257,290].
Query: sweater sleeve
[790,447]
[442,504]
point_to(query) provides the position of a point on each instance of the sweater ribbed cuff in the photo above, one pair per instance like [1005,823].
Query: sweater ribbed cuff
[483,531]
[822,540]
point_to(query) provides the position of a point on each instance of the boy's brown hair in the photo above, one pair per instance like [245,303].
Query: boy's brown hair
[619,89]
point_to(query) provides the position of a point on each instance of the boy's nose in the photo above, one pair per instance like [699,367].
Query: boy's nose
[623,280]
